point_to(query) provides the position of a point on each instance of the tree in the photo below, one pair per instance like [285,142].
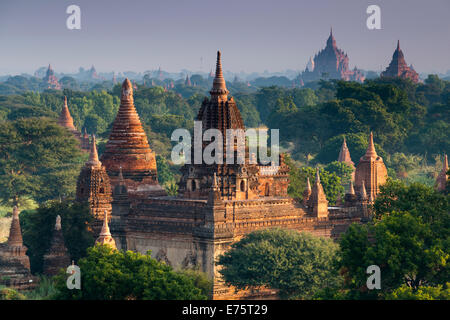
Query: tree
[297,264]
[342,170]
[37,228]
[108,274]
[408,239]
[424,293]
[35,155]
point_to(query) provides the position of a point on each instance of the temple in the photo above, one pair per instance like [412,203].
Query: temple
[344,156]
[14,263]
[370,172]
[50,79]
[330,63]
[57,256]
[399,68]
[94,187]
[128,148]
[65,120]
[217,203]
[105,237]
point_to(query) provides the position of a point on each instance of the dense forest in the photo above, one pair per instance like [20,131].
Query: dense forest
[410,122]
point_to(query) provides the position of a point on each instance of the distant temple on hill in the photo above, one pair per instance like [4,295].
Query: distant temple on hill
[399,68]
[330,63]
[217,204]
[51,80]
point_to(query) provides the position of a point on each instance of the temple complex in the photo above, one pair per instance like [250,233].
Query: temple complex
[399,68]
[442,178]
[14,263]
[51,80]
[370,172]
[330,63]
[57,256]
[217,203]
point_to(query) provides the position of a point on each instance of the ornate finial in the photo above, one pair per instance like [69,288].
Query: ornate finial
[93,156]
[219,87]
[317,176]
[371,153]
[105,235]
[58,223]
[308,184]
[398,45]
[15,212]
[363,191]
[215,184]
[120,174]
[351,189]
[127,91]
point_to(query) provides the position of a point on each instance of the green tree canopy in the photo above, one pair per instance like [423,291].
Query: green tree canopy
[38,225]
[38,159]
[108,274]
[297,264]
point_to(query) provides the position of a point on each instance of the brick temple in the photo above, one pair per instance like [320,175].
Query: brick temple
[399,68]
[330,63]
[65,120]
[217,204]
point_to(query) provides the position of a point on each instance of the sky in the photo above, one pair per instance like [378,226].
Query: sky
[253,35]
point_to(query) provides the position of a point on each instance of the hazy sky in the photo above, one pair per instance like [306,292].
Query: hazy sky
[253,35]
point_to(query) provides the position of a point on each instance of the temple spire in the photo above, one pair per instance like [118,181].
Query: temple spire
[351,190]
[317,176]
[105,237]
[363,191]
[58,223]
[371,152]
[15,233]
[219,87]
[93,156]
[398,45]
[65,119]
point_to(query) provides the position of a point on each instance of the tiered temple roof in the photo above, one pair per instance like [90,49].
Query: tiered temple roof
[128,147]
[332,63]
[399,68]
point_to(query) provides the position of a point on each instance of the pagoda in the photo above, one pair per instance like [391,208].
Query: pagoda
[128,148]
[51,80]
[105,237]
[399,68]
[344,156]
[93,186]
[57,256]
[370,172]
[330,63]
[14,263]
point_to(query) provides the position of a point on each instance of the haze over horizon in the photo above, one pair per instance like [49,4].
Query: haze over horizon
[253,35]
